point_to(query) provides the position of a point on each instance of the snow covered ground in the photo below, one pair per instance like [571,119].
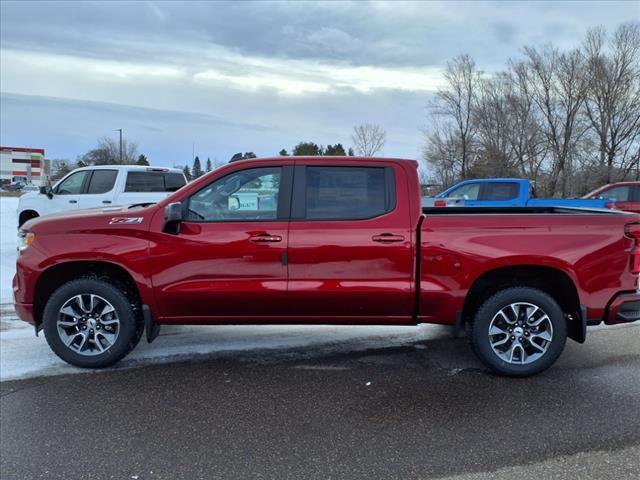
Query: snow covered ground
[8,239]
[24,355]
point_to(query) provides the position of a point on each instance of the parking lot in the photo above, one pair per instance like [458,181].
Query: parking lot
[319,402]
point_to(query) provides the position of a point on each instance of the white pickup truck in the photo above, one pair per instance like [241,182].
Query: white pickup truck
[100,186]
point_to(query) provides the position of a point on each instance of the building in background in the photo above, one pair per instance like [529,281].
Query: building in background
[26,165]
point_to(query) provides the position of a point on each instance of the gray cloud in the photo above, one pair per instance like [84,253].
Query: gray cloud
[356,33]
[252,75]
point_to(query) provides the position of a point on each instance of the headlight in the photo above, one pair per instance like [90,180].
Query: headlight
[25,239]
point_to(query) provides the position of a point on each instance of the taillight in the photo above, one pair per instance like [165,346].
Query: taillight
[440,203]
[632,230]
[610,205]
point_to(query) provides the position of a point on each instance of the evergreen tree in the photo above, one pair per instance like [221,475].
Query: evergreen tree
[196,171]
[336,149]
[187,173]
[307,148]
[209,167]
[142,160]
[350,153]
[283,153]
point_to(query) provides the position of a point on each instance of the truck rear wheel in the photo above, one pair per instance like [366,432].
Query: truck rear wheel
[90,323]
[519,332]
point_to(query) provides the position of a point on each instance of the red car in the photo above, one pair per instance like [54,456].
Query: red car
[326,240]
[625,194]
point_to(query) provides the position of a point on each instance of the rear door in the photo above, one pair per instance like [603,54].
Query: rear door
[350,247]
[100,189]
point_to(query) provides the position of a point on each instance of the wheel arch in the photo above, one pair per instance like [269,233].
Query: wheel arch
[26,215]
[57,275]
[555,282]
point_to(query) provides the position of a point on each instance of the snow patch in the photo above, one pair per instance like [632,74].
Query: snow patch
[8,245]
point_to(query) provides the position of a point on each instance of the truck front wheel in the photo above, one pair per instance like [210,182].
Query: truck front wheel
[90,323]
[519,332]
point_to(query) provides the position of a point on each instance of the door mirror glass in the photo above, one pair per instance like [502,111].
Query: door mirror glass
[172,218]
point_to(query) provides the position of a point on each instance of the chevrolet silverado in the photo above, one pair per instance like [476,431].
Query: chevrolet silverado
[327,240]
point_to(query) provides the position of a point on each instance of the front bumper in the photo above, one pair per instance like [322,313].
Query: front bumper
[25,312]
[624,308]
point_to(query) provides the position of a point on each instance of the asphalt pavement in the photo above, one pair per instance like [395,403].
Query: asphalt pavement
[422,410]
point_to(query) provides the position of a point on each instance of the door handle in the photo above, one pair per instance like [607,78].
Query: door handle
[388,238]
[73,201]
[266,238]
[106,201]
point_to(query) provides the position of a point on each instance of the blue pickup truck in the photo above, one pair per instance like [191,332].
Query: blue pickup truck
[511,192]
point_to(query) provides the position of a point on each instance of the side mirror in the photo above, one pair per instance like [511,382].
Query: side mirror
[46,191]
[172,218]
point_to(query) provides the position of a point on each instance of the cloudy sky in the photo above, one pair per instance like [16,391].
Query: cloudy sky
[252,76]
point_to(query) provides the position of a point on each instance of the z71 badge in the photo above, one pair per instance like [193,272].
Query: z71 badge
[125,220]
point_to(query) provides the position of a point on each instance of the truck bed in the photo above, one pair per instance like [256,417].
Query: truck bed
[518,211]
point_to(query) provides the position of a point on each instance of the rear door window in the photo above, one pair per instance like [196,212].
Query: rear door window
[348,193]
[153,182]
[500,191]
[102,181]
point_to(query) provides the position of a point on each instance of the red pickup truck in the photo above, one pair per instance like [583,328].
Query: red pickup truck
[326,240]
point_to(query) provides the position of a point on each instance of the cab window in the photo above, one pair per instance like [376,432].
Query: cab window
[73,184]
[102,181]
[500,191]
[471,191]
[246,195]
[619,194]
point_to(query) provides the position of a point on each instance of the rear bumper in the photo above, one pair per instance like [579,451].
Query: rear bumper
[624,308]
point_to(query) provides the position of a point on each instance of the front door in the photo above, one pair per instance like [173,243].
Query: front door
[228,262]
[350,244]
[68,192]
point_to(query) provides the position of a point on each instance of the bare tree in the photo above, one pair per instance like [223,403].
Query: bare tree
[368,139]
[456,102]
[108,153]
[525,132]
[492,119]
[557,85]
[613,97]
[442,154]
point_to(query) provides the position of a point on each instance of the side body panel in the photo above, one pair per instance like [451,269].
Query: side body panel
[458,249]
[87,236]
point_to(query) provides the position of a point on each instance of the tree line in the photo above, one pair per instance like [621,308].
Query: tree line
[368,140]
[569,120]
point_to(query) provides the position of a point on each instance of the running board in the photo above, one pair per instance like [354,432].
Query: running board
[152,328]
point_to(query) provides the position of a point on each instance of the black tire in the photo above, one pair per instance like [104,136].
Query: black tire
[130,327]
[556,326]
